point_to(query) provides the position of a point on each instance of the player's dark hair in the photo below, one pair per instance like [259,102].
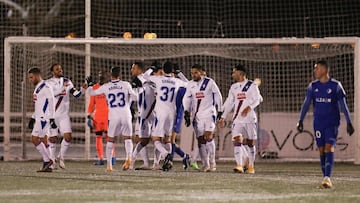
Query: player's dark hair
[168,67]
[323,63]
[34,70]
[198,67]
[156,66]
[53,66]
[139,64]
[241,68]
[115,71]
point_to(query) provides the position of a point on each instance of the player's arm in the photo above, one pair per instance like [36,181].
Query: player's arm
[227,107]
[75,92]
[253,100]
[187,102]
[342,102]
[98,91]
[217,98]
[132,95]
[305,108]
[50,99]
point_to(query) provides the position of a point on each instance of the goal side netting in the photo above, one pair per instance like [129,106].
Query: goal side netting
[285,67]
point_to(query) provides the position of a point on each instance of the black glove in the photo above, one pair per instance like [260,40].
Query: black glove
[52,123]
[350,129]
[176,69]
[31,123]
[218,117]
[89,81]
[89,122]
[136,82]
[187,118]
[300,126]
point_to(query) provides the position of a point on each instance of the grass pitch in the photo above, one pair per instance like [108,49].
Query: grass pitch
[84,182]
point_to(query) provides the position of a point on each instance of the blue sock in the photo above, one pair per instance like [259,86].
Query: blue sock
[173,146]
[180,152]
[322,163]
[329,163]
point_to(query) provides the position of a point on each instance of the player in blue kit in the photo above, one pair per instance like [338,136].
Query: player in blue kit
[328,98]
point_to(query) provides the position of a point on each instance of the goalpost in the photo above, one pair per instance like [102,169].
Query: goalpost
[283,64]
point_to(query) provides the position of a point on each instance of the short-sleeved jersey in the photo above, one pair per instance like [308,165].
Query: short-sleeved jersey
[146,95]
[61,88]
[43,98]
[119,95]
[325,98]
[242,95]
[98,105]
[166,89]
[201,97]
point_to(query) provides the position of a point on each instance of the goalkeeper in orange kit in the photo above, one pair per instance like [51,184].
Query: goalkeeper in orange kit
[98,118]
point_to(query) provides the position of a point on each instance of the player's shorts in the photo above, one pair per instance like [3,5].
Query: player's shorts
[100,124]
[145,126]
[41,128]
[163,124]
[203,125]
[246,130]
[63,123]
[120,126]
[326,136]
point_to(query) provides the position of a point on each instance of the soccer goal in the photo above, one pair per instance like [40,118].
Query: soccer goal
[284,66]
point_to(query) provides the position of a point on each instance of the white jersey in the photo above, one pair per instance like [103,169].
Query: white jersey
[62,88]
[241,95]
[201,97]
[146,97]
[166,88]
[43,98]
[119,96]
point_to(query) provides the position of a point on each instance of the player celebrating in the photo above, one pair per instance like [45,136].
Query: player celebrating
[43,117]
[62,88]
[98,118]
[244,96]
[119,95]
[327,96]
[145,115]
[165,111]
[204,95]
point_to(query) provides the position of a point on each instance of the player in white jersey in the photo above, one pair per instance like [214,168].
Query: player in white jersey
[144,116]
[200,101]
[119,96]
[167,87]
[43,117]
[62,88]
[244,96]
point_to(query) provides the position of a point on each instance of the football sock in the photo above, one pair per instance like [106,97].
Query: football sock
[128,148]
[173,148]
[99,147]
[138,148]
[211,148]
[245,154]
[179,151]
[109,150]
[195,155]
[159,146]
[252,153]
[145,156]
[52,150]
[329,163]
[322,163]
[43,151]
[156,156]
[204,155]
[64,147]
[238,154]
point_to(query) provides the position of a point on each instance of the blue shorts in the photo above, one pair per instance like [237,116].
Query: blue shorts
[326,136]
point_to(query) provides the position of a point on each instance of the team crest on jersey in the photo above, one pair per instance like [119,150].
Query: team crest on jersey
[316,90]
[241,96]
[200,95]
[329,91]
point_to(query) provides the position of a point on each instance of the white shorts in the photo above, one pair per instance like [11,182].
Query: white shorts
[145,129]
[204,124]
[246,130]
[163,123]
[41,128]
[120,126]
[64,124]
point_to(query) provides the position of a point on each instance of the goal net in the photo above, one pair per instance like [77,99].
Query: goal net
[285,67]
